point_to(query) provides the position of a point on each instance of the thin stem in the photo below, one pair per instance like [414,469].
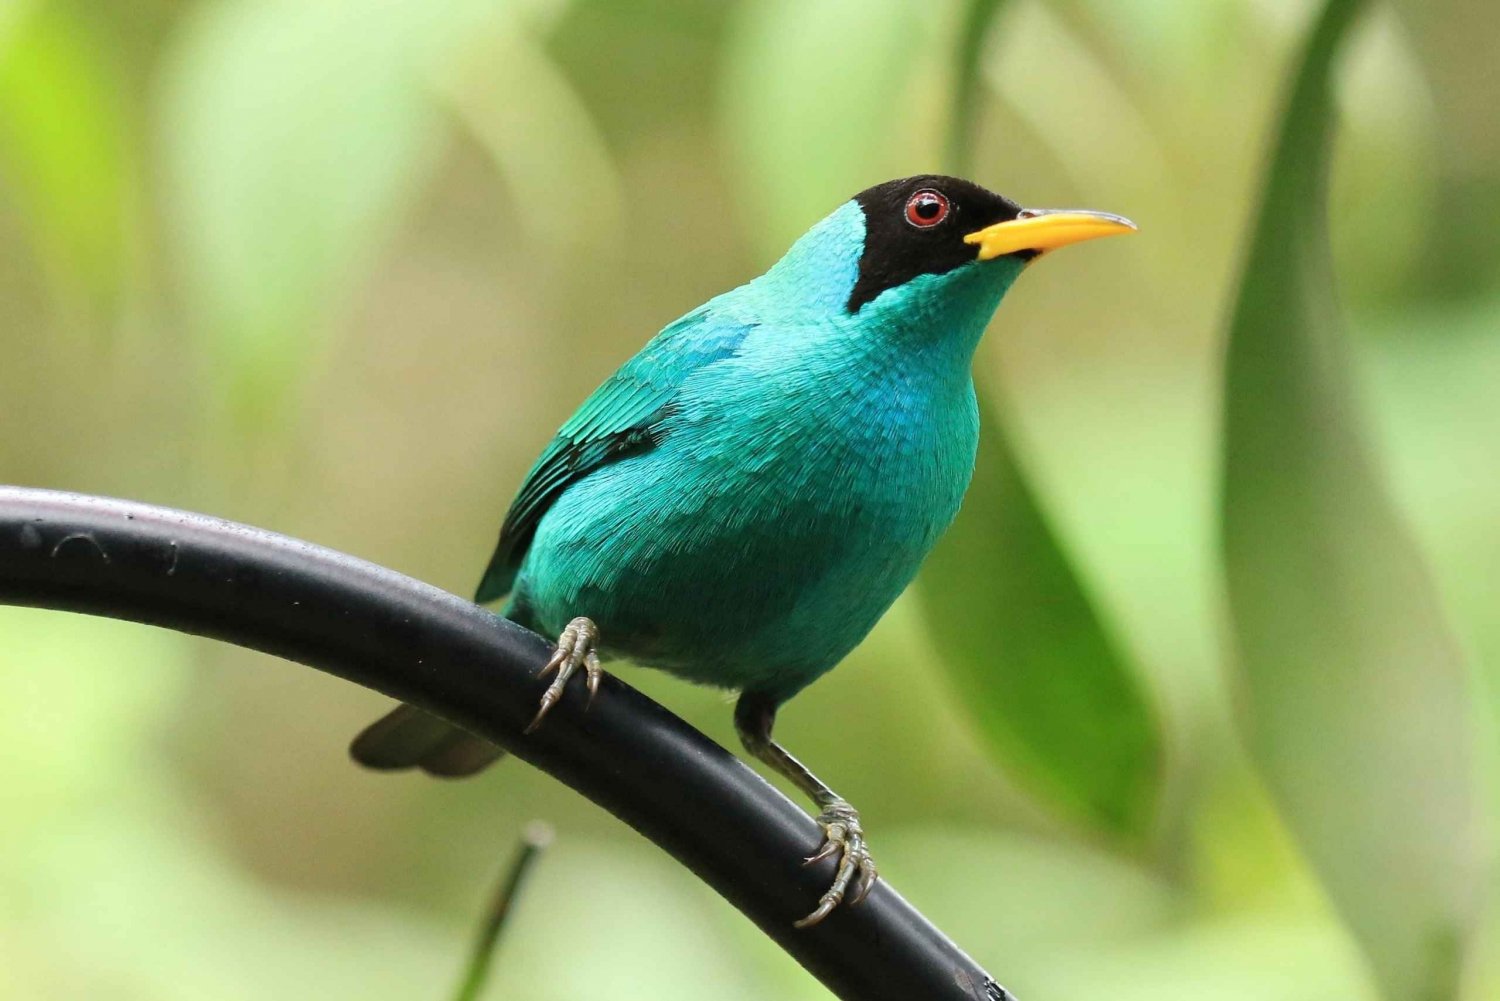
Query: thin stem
[534,838]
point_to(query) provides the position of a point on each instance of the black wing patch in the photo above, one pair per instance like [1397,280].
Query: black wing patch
[568,463]
[625,416]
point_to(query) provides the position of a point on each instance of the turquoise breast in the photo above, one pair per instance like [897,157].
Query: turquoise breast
[783,513]
[796,485]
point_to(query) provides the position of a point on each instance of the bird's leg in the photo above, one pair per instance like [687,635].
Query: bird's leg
[576,647]
[843,836]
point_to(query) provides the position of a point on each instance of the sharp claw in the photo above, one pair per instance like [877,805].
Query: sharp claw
[867,879]
[856,875]
[575,648]
[829,850]
[825,908]
[595,673]
[536,721]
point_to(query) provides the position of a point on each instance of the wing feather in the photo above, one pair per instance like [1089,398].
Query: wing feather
[622,417]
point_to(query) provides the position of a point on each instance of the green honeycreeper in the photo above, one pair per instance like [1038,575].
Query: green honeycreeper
[744,498]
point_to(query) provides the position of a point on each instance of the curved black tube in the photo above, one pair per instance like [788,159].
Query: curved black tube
[414,642]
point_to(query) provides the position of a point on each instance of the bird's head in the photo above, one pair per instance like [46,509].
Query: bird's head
[924,251]
[934,225]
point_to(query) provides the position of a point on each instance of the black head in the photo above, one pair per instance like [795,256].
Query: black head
[916,226]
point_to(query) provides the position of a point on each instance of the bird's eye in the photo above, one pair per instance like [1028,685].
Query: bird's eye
[926,208]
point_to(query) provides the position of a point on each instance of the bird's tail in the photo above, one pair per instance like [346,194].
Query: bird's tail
[407,737]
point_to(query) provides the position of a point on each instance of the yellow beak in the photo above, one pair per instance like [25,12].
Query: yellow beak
[1046,229]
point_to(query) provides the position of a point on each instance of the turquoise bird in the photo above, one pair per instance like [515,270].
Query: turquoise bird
[742,501]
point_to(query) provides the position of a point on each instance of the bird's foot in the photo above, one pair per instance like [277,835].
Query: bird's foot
[842,836]
[576,647]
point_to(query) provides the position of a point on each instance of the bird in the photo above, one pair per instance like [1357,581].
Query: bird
[742,500]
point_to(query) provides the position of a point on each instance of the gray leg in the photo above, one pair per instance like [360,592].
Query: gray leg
[576,647]
[754,716]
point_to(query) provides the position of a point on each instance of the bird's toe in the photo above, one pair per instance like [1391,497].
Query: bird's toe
[577,646]
[842,836]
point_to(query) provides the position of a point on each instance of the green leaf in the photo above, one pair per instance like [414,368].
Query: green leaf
[1054,695]
[1355,696]
[296,134]
[1051,690]
[799,156]
[66,151]
[974,29]
[543,142]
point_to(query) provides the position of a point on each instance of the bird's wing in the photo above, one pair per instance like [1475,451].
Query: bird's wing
[621,418]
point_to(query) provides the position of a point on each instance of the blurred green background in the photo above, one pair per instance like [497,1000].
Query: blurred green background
[1199,703]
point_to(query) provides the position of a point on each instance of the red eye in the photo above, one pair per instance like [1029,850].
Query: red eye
[926,208]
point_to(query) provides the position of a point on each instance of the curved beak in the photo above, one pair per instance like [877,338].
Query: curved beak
[1046,229]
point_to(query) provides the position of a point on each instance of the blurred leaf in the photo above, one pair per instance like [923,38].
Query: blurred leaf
[81,695]
[1074,894]
[1048,685]
[1386,165]
[1355,695]
[1052,692]
[1255,956]
[1074,106]
[297,133]
[974,28]
[1457,40]
[813,99]
[67,151]
[539,134]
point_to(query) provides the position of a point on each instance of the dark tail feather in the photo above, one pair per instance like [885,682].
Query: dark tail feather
[407,737]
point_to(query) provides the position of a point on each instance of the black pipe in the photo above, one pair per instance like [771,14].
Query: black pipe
[416,643]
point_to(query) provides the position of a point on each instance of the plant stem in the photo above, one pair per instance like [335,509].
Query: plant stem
[534,838]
